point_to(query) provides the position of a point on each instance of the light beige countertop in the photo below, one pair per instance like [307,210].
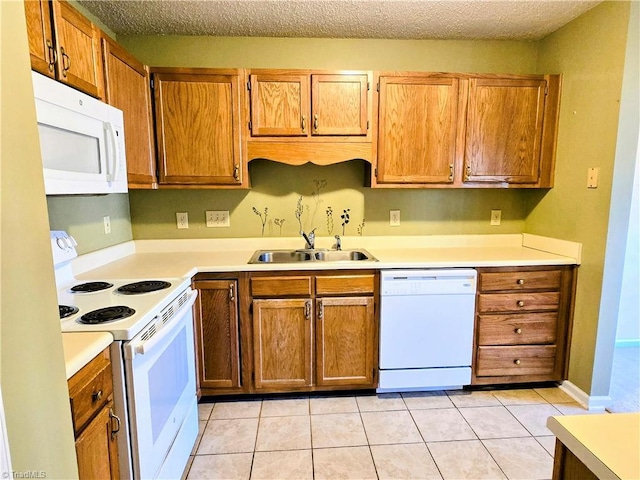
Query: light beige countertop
[608,444]
[185,258]
[81,348]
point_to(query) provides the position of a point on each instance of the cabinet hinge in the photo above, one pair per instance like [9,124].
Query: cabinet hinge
[152,83]
[249,86]
[546,90]
[368,86]
[378,87]
[367,124]
[249,124]
[375,172]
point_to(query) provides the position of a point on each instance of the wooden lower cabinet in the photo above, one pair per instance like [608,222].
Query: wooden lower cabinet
[217,336]
[95,425]
[312,330]
[345,336]
[523,324]
[282,346]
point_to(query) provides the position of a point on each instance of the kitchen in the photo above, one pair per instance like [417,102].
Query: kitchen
[568,51]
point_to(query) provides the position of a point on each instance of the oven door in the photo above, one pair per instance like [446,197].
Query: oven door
[161,389]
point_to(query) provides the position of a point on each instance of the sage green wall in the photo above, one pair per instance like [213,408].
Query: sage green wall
[589,52]
[278,187]
[82,217]
[34,386]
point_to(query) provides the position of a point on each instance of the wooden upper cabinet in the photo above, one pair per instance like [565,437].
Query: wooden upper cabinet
[63,40]
[40,33]
[504,130]
[417,125]
[292,103]
[198,115]
[279,105]
[127,88]
[339,104]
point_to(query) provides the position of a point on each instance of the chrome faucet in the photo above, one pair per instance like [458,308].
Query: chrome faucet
[338,242]
[310,239]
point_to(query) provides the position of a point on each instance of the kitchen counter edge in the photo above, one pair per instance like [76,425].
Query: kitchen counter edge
[80,348]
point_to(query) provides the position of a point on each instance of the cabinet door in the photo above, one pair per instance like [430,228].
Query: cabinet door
[198,128]
[280,105]
[127,88]
[78,46]
[504,130]
[345,341]
[217,334]
[417,129]
[41,47]
[282,347]
[97,448]
[339,104]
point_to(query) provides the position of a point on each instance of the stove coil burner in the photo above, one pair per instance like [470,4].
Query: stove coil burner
[145,286]
[90,287]
[67,310]
[107,314]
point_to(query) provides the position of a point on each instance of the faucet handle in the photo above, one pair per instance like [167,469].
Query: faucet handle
[338,242]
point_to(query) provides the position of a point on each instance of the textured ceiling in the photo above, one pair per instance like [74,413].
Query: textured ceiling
[404,19]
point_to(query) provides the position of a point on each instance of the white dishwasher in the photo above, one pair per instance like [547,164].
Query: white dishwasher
[426,329]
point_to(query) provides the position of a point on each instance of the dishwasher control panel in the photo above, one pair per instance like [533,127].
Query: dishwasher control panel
[426,282]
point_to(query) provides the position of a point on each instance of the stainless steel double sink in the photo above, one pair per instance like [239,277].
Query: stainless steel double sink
[319,255]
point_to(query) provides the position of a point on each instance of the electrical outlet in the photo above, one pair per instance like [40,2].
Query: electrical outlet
[217,218]
[394,218]
[182,219]
[496,217]
[106,220]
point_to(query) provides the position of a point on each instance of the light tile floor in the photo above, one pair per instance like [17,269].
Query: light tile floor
[431,435]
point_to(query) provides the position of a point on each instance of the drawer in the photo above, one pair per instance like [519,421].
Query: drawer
[517,302]
[532,360]
[517,329]
[90,389]
[345,284]
[280,286]
[533,280]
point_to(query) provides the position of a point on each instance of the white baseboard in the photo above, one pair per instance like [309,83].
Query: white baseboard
[634,342]
[591,403]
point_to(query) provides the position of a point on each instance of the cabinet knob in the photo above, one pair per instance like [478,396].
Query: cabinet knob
[52,55]
[467,173]
[304,123]
[518,331]
[236,172]
[451,172]
[97,396]
[113,418]
[66,62]
[517,361]
[520,303]
[315,122]
[521,281]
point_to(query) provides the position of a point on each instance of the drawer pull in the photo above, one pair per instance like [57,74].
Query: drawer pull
[520,303]
[113,417]
[521,281]
[518,331]
[517,361]
[97,396]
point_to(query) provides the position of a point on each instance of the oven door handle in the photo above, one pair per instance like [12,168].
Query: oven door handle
[145,346]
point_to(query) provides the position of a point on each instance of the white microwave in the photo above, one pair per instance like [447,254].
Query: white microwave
[81,141]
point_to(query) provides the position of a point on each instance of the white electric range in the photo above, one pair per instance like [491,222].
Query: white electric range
[153,359]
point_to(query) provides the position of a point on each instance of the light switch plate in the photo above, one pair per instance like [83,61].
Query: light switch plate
[496,217]
[592,177]
[217,218]
[106,220]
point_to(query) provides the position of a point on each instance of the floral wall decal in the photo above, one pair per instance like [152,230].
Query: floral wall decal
[329,213]
[361,227]
[279,222]
[345,219]
[263,217]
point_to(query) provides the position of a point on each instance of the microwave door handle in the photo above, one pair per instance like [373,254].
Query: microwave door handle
[113,152]
[146,346]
